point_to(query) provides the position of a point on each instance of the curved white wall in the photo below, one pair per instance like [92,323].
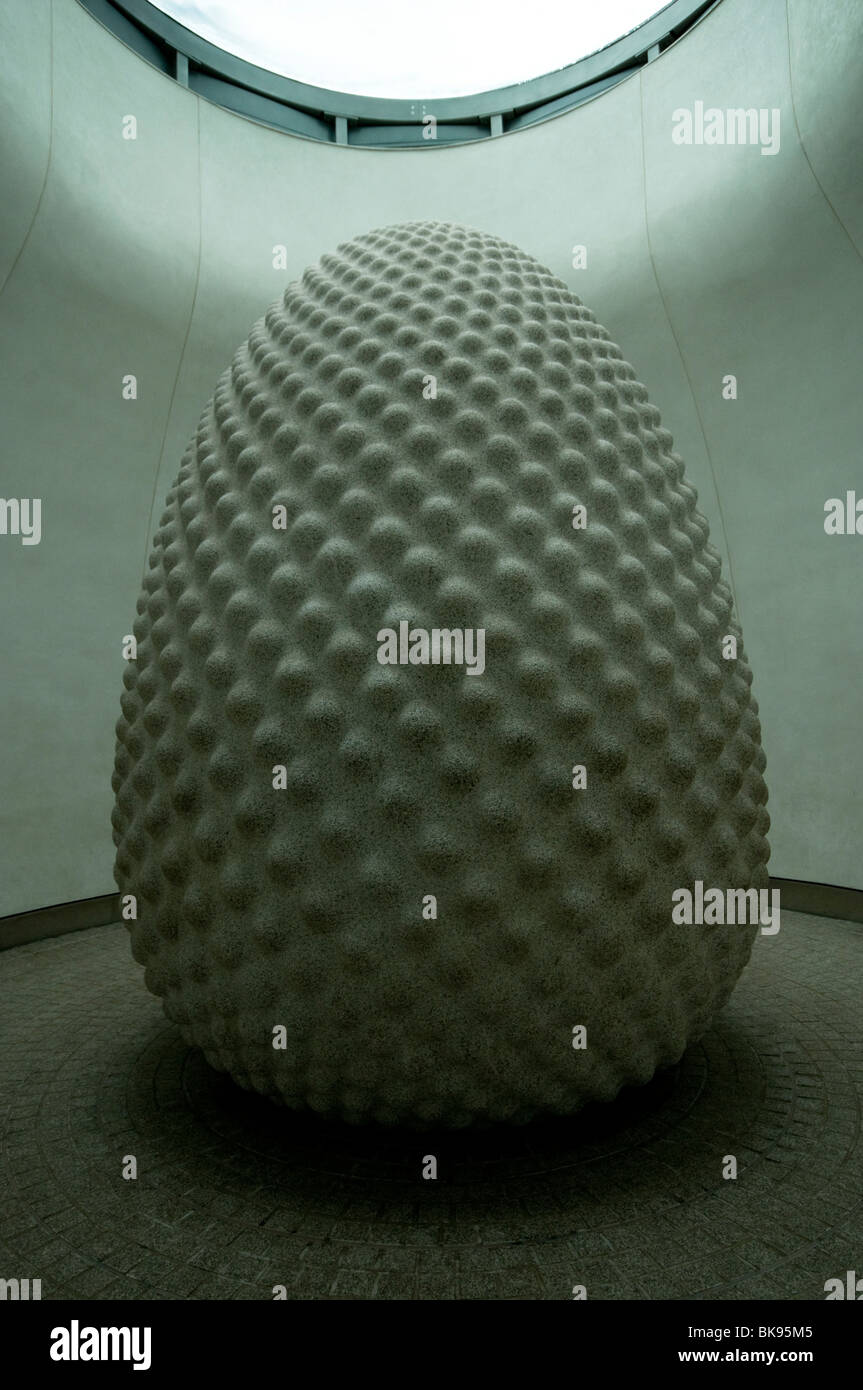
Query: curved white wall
[154,257]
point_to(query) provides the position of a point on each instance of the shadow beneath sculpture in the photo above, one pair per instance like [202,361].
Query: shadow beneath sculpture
[649,1160]
[475,1155]
[300,1141]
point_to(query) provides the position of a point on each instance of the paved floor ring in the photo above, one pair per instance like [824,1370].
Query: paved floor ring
[235,1195]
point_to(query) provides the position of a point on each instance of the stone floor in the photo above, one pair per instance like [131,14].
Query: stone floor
[234,1196]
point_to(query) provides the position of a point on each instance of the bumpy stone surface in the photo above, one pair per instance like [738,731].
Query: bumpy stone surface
[257,647]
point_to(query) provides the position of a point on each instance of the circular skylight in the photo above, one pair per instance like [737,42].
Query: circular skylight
[404,48]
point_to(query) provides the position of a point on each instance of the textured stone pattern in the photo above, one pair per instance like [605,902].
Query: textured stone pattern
[257,647]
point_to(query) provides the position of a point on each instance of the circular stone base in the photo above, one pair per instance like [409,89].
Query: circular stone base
[234,1196]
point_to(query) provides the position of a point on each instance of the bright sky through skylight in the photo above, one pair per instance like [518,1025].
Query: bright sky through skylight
[408,48]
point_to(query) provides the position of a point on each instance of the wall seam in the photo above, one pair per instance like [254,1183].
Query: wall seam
[800,141]
[158,469]
[683,362]
[22,248]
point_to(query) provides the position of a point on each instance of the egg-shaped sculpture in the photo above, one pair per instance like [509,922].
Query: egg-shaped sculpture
[438,700]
